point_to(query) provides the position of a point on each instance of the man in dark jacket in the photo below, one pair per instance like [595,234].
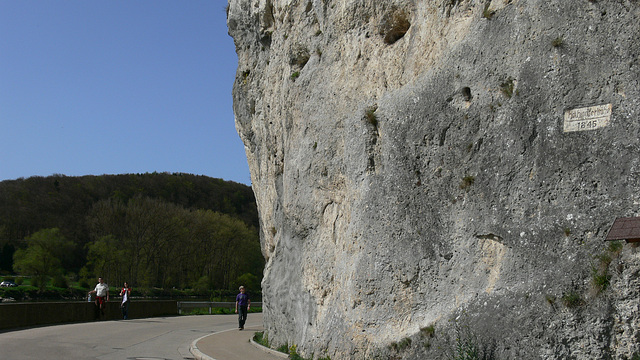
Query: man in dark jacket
[243,303]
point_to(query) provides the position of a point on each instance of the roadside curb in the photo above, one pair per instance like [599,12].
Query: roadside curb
[199,355]
[268,350]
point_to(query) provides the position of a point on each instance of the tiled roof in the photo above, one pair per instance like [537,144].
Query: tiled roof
[627,228]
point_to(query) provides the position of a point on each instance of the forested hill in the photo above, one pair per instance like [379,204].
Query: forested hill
[89,209]
[28,205]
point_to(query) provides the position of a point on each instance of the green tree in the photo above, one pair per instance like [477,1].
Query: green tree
[136,242]
[151,242]
[63,202]
[248,280]
[107,258]
[41,258]
[227,243]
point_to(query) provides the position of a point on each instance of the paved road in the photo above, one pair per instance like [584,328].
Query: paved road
[166,338]
[234,345]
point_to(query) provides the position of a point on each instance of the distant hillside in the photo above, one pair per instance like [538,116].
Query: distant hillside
[67,203]
[27,205]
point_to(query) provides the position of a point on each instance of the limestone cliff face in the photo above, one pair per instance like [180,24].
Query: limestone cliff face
[416,186]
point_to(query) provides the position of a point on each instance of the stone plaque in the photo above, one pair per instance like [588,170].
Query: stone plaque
[588,118]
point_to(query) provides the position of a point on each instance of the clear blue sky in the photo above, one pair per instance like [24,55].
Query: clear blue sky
[113,87]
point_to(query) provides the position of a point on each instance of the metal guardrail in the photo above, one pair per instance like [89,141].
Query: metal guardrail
[210,305]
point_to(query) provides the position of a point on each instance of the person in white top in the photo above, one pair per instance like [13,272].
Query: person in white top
[126,297]
[102,294]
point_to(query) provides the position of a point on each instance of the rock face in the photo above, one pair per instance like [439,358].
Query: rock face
[418,194]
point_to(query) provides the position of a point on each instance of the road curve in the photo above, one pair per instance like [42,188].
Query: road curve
[163,338]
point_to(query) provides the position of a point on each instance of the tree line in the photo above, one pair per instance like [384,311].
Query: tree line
[153,230]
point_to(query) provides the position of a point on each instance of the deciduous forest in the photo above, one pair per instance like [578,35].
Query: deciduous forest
[155,230]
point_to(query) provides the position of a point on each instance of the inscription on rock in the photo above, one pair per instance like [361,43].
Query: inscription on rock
[587,118]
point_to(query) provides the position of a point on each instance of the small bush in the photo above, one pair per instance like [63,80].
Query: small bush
[572,299]
[486,13]
[507,87]
[557,42]
[295,75]
[371,116]
[467,181]
[293,353]
[261,338]
[604,260]
[401,345]
[245,76]
[196,311]
[404,343]
[222,311]
[600,279]
[468,346]
[12,293]
[615,247]
[428,331]
[465,349]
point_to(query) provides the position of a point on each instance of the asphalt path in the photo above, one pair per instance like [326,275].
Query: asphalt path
[162,338]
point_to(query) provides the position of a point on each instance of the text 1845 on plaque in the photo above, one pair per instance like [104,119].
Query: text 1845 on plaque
[587,118]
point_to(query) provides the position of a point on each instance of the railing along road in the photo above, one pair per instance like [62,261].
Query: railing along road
[210,305]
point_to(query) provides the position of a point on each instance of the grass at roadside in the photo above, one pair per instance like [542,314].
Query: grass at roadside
[262,338]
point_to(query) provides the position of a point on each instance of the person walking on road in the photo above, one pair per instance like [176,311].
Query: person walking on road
[102,295]
[126,297]
[243,303]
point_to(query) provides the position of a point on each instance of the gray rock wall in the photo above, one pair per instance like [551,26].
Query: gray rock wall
[416,188]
